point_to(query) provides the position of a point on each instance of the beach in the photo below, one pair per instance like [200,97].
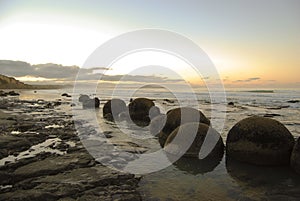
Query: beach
[42,155]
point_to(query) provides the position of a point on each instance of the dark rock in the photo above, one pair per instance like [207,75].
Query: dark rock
[13,144]
[53,165]
[83,98]
[114,107]
[272,115]
[293,101]
[295,157]
[5,178]
[13,93]
[187,140]
[180,116]
[260,141]
[28,195]
[124,116]
[139,111]
[3,94]
[65,94]
[231,103]
[91,103]
[168,101]
[157,124]
[56,103]
[154,112]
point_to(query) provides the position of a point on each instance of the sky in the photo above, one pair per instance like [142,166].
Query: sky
[251,43]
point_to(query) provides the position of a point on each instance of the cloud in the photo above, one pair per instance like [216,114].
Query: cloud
[249,79]
[15,68]
[56,72]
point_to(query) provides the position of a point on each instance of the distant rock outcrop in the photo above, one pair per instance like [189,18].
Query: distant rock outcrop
[12,83]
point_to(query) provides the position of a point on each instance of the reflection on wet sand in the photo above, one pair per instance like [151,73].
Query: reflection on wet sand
[196,166]
[269,183]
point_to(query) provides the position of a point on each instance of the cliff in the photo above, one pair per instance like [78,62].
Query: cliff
[12,83]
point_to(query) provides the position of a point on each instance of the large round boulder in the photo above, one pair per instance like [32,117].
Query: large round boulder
[180,116]
[83,98]
[157,124]
[187,140]
[139,110]
[295,157]
[91,103]
[260,141]
[113,108]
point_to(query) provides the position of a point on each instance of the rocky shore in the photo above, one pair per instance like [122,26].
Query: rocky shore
[42,158]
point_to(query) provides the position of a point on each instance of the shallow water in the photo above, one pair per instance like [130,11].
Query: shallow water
[186,180]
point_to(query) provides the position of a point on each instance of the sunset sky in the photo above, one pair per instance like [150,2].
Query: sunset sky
[252,43]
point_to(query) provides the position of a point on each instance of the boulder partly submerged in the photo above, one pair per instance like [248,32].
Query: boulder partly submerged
[260,141]
[88,102]
[187,140]
[91,103]
[295,157]
[83,98]
[139,109]
[113,108]
[180,116]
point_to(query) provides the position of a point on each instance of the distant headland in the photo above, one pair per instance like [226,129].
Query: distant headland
[12,83]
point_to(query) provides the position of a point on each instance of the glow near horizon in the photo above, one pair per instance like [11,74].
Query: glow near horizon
[66,34]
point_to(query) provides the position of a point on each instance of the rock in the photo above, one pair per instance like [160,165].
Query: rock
[66,95]
[272,115]
[124,116]
[28,195]
[154,112]
[231,103]
[293,101]
[83,98]
[3,94]
[53,165]
[157,124]
[260,141]
[114,107]
[295,157]
[12,144]
[91,103]
[74,183]
[139,111]
[188,139]
[168,101]
[179,116]
[13,93]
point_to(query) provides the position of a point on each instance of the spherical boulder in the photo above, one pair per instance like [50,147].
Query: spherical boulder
[154,112]
[180,116]
[157,124]
[295,157]
[187,140]
[113,108]
[139,110]
[260,141]
[91,103]
[83,98]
